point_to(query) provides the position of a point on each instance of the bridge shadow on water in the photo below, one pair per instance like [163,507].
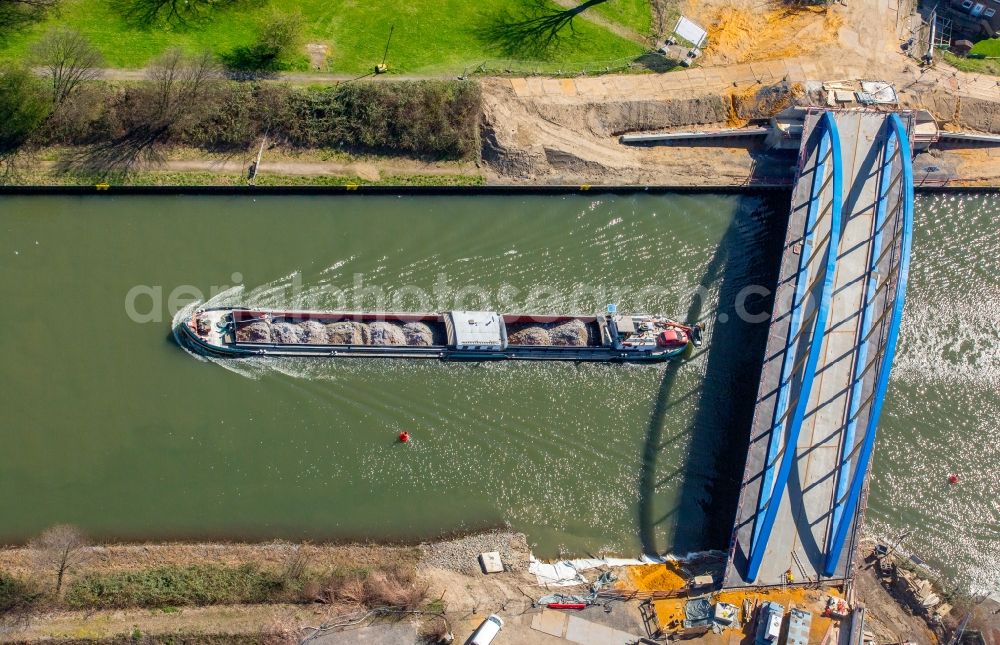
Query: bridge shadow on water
[718,433]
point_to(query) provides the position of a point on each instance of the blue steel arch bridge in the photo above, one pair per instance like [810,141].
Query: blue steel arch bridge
[831,342]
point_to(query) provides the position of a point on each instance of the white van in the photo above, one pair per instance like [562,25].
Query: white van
[486,632]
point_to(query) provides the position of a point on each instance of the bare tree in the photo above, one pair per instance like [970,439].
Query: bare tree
[69,59]
[176,97]
[180,82]
[60,548]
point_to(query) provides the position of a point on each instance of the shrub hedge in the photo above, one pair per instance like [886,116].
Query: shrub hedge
[430,119]
[16,594]
[173,586]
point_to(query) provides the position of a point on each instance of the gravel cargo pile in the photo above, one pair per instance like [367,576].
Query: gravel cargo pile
[386,333]
[418,334]
[255,332]
[572,333]
[345,332]
[530,336]
[286,333]
[312,332]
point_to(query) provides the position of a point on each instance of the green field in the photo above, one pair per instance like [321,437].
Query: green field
[431,36]
[987,47]
[973,65]
[637,15]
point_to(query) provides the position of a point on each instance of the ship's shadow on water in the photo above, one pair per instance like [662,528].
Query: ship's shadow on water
[719,432]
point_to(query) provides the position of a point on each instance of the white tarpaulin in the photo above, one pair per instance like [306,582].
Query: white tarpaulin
[690,31]
[880,91]
[566,573]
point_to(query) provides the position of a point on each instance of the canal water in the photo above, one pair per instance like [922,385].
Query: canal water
[108,424]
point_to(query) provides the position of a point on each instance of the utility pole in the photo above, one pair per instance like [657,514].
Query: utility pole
[380,68]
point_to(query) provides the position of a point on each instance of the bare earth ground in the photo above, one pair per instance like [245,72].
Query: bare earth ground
[887,619]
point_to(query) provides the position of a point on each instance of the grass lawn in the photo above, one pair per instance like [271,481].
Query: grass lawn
[637,15]
[987,47]
[431,36]
[973,65]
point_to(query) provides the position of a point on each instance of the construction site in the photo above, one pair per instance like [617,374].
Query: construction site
[757,61]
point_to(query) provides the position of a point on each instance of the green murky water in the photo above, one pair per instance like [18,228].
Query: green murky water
[108,424]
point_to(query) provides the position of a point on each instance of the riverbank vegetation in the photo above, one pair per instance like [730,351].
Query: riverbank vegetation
[62,572]
[428,36]
[107,129]
[48,175]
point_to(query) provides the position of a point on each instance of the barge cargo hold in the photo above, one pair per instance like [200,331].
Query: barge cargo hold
[469,335]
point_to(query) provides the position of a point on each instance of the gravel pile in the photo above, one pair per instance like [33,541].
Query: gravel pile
[386,333]
[573,333]
[286,333]
[530,336]
[418,334]
[415,334]
[347,333]
[312,332]
[462,554]
[255,332]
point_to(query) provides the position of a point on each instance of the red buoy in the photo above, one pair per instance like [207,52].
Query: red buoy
[952,478]
[404,437]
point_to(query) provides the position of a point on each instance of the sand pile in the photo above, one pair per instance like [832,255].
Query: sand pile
[743,34]
[655,577]
[755,102]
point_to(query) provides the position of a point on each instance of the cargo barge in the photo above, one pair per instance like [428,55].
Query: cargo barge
[470,335]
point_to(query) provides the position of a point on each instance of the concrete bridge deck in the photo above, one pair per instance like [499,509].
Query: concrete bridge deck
[827,338]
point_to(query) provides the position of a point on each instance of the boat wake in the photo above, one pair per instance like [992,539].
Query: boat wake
[949,342]
[284,292]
